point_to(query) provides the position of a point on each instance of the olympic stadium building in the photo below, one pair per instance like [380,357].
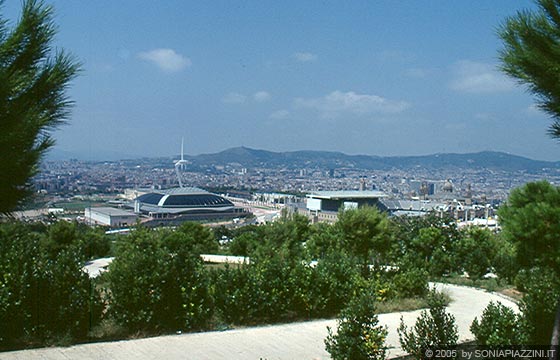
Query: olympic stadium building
[173,206]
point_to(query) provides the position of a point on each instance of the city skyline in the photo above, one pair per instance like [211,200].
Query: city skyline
[377,78]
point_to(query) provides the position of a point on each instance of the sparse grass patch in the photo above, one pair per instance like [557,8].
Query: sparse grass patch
[77,205]
[63,340]
[493,285]
[407,304]
[108,329]
[404,304]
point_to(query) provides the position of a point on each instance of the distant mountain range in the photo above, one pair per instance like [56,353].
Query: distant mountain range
[252,158]
[324,159]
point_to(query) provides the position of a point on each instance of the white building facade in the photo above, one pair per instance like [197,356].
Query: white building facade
[108,216]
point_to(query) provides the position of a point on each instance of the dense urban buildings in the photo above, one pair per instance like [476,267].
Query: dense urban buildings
[466,193]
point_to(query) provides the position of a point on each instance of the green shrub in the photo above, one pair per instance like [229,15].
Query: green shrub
[323,239]
[271,276]
[191,237]
[522,280]
[337,281]
[475,251]
[301,295]
[256,293]
[499,325]
[42,296]
[430,249]
[244,244]
[434,328]
[359,335]
[234,297]
[410,283]
[504,262]
[157,285]
[95,244]
[542,291]
[275,290]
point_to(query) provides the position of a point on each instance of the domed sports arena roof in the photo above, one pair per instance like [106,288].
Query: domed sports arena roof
[182,200]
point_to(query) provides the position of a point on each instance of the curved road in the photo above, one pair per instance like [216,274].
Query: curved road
[304,340]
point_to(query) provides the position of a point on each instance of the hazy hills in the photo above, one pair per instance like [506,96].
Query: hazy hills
[323,159]
[252,158]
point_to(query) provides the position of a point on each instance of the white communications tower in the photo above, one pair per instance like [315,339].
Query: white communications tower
[180,164]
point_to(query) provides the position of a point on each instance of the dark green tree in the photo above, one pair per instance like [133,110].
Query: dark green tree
[431,250]
[323,240]
[246,239]
[89,242]
[244,244]
[191,236]
[338,280]
[475,251]
[504,262]
[425,242]
[531,221]
[531,54]
[364,233]
[285,238]
[33,98]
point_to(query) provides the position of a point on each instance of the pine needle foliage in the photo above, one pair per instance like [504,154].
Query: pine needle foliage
[531,55]
[33,101]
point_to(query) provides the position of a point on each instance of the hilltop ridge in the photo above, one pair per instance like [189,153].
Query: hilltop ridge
[311,158]
[249,157]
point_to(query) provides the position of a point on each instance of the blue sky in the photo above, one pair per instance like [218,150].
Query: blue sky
[361,77]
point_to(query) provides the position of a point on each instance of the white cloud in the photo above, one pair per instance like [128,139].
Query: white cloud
[475,77]
[304,57]
[166,59]
[234,98]
[261,96]
[237,98]
[338,102]
[280,114]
